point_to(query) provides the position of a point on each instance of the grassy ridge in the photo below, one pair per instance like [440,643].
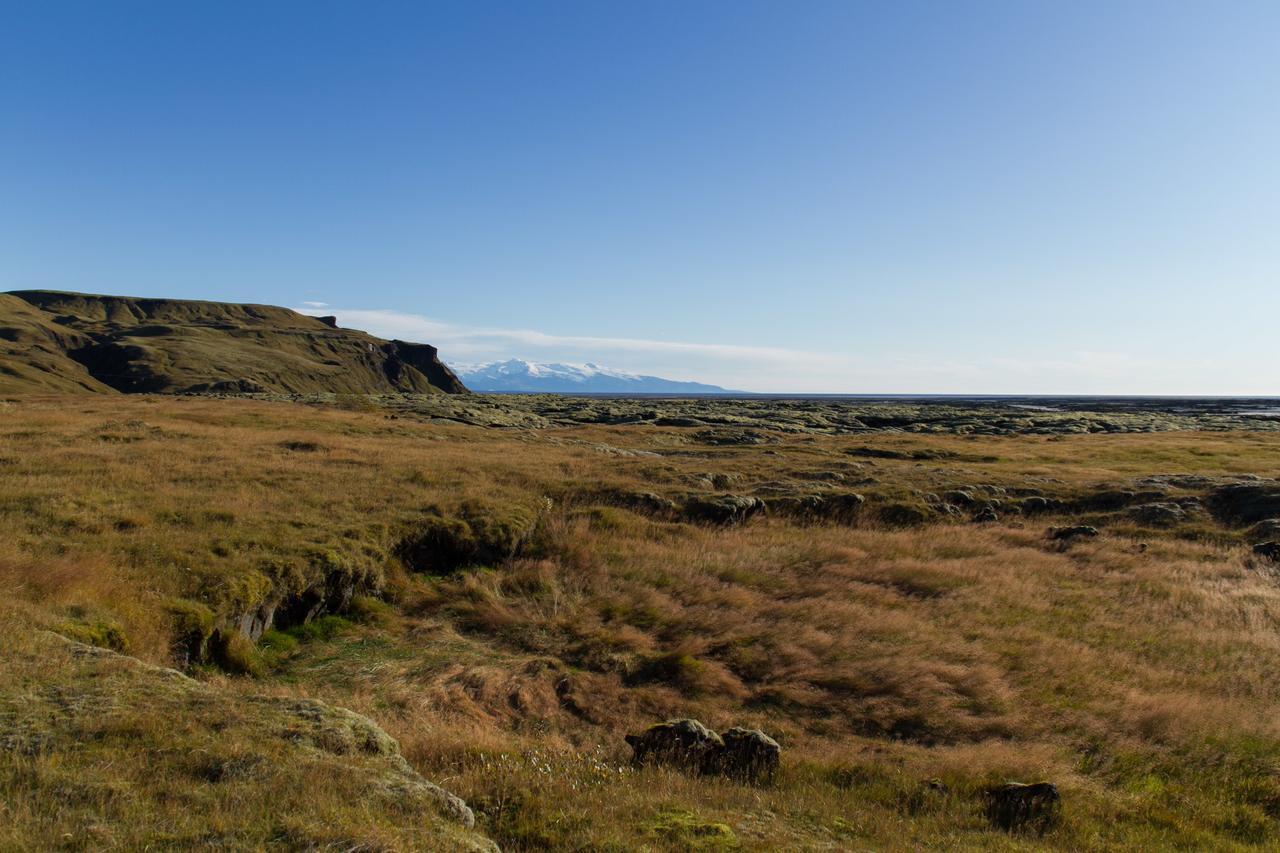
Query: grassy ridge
[52,341]
[1133,670]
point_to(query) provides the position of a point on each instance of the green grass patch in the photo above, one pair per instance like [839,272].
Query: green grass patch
[320,628]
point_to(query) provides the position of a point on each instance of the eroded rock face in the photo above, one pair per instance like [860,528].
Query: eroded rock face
[253,624]
[333,594]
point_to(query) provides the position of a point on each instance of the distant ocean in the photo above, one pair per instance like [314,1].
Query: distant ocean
[1256,406]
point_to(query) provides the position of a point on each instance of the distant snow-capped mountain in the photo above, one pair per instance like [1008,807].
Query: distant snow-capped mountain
[518,375]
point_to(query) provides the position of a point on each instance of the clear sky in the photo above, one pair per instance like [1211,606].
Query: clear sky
[983,197]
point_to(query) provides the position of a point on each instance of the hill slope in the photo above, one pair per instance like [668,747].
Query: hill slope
[58,342]
[154,757]
[516,375]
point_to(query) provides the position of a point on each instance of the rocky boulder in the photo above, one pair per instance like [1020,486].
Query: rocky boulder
[741,754]
[1157,514]
[1265,531]
[987,514]
[1017,806]
[685,744]
[1036,504]
[749,755]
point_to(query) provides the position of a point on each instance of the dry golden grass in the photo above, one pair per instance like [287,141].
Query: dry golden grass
[1135,670]
[99,751]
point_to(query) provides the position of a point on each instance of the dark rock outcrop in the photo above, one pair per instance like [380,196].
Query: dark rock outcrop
[1063,534]
[406,362]
[1158,514]
[1268,551]
[897,514]
[723,509]
[1017,806]
[685,744]
[1265,531]
[828,506]
[1110,500]
[1245,503]
[647,503]
[749,755]
[987,514]
[744,755]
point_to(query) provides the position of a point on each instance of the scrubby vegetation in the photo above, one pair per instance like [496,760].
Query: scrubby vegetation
[507,603]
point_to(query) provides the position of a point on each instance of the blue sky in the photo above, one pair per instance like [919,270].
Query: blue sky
[846,197]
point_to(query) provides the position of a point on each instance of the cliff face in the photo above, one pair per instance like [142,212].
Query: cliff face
[59,342]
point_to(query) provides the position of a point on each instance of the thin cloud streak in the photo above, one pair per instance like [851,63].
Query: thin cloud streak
[783,370]
[478,338]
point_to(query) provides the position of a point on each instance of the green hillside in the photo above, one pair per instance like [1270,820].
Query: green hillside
[54,342]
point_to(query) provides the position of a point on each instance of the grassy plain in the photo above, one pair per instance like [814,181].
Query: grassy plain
[884,641]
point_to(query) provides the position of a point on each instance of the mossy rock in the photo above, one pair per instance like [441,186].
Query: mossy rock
[104,635]
[838,506]
[723,509]
[647,503]
[898,514]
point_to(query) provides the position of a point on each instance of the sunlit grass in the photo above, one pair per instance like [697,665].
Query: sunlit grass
[1136,671]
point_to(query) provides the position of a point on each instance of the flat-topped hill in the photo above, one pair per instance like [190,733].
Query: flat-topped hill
[58,342]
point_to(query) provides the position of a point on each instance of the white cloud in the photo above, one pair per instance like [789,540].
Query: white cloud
[482,339]
[783,370]
[727,364]
[316,304]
